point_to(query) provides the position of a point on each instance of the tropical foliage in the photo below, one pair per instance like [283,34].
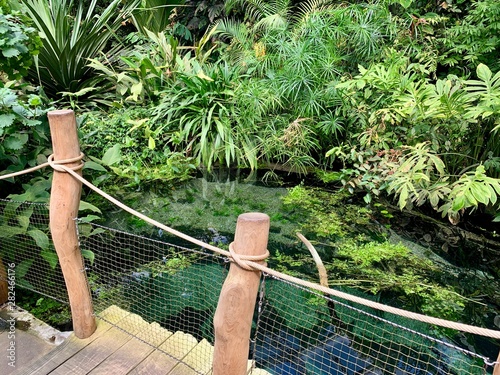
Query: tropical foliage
[69,40]
[18,44]
[389,99]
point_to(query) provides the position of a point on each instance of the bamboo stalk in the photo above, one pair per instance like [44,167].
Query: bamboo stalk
[64,203]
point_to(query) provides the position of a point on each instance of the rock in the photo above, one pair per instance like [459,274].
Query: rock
[346,356]
[287,368]
[277,347]
[335,356]
[319,361]
[217,239]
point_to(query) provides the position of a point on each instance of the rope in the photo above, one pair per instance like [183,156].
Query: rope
[57,165]
[253,265]
[240,260]
[25,171]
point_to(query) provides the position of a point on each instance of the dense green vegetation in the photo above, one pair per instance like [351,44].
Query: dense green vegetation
[396,98]
[387,99]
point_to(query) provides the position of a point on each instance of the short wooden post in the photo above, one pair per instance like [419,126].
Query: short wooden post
[64,203]
[496,370]
[233,317]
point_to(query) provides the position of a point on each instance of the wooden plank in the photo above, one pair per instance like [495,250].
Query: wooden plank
[63,352]
[113,314]
[134,351]
[154,334]
[92,355]
[124,359]
[198,360]
[158,362]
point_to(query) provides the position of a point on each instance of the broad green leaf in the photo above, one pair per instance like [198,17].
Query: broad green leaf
[6,120]
[483,72]
[94,166]
[136,90]
[97,231]
[15,142]
[88,254]
[23,268]
[41,239]
[404,3]
[88,206]
[480,192]
[403,197]
[10,52]
[458,203]
[50,256]
[7,231]
[151,143]
[24,221]
[112,155]
[493,194]
[89,218]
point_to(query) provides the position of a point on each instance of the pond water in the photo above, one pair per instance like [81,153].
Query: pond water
[208,208]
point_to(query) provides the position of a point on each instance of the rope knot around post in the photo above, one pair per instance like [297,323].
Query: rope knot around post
[59,165]
[240,259]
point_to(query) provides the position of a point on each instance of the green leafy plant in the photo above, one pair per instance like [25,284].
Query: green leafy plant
[132,148]
[486,91]
[154,15]
[46,309]
[144,71]
[474,38]
[70,39]
[471,190]
[413,174]
[18,44]
[24,131]
[383,267]
[201,107]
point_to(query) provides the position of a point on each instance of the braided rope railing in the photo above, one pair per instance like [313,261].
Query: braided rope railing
[250,263]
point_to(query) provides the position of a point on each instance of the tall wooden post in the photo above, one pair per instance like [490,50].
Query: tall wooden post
[496,370]
[64,203]
[233,317]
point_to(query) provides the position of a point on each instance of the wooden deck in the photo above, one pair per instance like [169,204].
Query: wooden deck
[120,346]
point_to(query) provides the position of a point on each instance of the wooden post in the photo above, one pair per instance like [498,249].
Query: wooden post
[233,317]
[64,203]
[496,370]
